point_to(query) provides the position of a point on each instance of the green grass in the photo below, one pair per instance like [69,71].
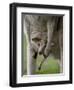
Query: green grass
[50,66]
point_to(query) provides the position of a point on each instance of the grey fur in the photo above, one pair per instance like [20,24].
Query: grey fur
[45,36]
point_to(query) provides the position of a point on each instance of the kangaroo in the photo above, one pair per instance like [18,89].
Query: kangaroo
[45,34]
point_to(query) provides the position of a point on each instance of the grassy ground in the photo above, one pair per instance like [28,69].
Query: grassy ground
[50,66]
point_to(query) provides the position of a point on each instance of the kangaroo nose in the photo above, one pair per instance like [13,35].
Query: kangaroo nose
[38,44]
[40,52]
